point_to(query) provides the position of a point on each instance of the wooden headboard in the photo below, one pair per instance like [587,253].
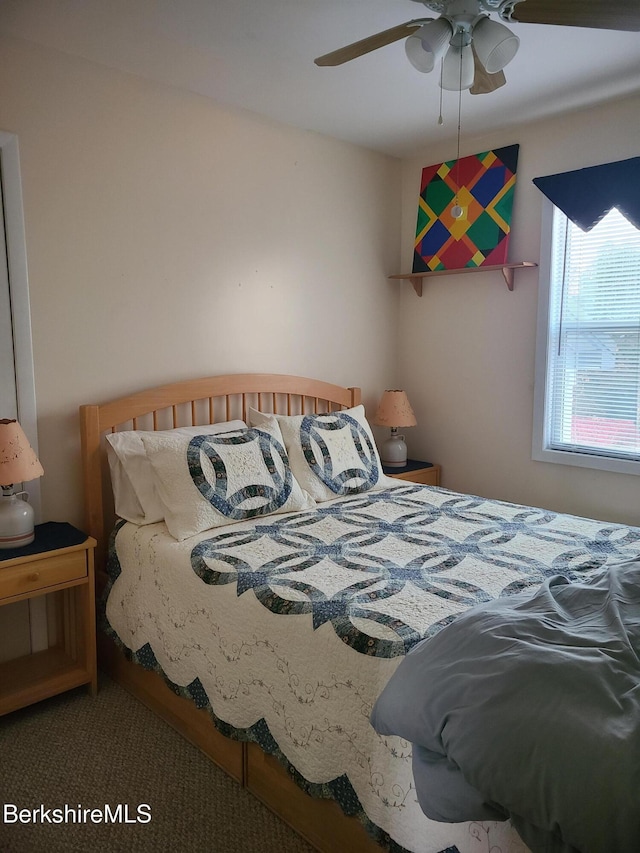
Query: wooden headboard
[189,403]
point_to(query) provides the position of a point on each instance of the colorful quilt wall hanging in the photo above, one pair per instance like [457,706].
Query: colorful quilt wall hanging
[483,185]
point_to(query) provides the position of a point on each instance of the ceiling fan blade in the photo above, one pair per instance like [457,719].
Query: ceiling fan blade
[483,82]
[599,14]
[359,48]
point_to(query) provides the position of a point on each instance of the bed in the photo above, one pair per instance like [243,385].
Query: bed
[268,641]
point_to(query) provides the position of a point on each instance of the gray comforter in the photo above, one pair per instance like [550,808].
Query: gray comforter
[528,707]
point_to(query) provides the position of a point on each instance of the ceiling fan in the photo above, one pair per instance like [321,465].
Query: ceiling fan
[475,48]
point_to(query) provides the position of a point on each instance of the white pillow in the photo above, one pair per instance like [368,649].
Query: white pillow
[132,479]
[210,481]
[332,454]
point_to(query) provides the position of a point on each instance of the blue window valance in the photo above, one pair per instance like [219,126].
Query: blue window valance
[586,195]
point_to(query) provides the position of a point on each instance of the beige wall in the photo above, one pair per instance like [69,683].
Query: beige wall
[170,238]
[467,347]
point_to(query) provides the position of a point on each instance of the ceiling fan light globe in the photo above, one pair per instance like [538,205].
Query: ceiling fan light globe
[455,78]
[495,44]
[428,44]
[421,59]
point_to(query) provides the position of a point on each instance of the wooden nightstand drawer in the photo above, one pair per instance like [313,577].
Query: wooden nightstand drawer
[425,476]
[415,472]
[43,573]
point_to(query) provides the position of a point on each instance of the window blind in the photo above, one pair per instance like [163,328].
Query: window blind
[593,382]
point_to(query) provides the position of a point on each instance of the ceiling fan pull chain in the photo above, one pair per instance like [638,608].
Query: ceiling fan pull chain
[457,210]
[440,119]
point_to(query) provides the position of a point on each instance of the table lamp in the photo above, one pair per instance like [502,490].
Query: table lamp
[18,464]
[394,411]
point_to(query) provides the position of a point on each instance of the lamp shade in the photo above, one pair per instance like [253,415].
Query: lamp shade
[18,461]
[395,410]
[428,44]
[458,69]
[495,44]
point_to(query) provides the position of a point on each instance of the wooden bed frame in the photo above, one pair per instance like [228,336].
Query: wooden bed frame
[204,401]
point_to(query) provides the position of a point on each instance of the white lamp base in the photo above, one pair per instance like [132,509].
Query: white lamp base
[394,451]
[16,520]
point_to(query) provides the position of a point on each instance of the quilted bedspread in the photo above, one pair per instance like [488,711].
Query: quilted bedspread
[288,628]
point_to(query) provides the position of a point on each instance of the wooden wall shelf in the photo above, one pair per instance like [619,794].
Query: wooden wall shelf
[507,271]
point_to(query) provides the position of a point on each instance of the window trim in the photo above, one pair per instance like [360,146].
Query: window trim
[541,452]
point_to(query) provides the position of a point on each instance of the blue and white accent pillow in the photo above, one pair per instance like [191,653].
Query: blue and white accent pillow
[208,481]
[132,480]
[330,455]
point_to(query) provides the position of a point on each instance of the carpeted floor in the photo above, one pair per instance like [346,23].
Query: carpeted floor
[80,752]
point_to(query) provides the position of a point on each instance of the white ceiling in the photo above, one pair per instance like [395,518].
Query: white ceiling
[258,55]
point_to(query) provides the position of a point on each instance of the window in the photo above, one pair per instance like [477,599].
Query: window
[587,409]
[17,384]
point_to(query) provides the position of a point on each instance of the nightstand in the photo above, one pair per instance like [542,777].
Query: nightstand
[416,472]
[59,561]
